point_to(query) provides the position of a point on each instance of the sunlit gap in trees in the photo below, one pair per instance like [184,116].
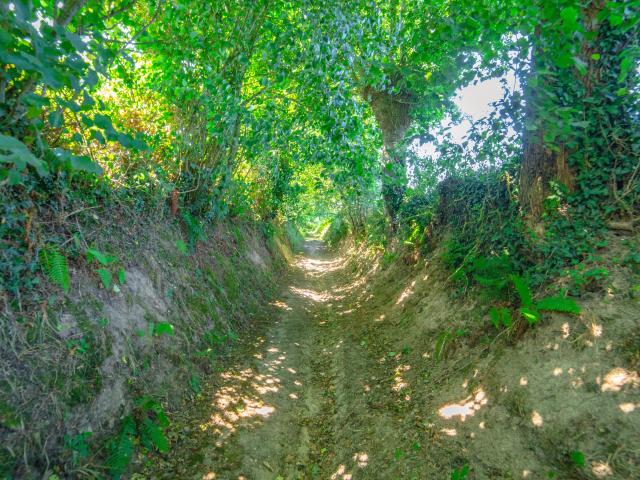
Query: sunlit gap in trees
[475,103]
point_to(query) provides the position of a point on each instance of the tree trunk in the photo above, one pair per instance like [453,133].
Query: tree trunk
[393,114]
[542,163]
[541,166]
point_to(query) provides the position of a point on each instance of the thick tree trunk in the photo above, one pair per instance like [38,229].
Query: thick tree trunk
[393,114]
[541,166]
[542,163]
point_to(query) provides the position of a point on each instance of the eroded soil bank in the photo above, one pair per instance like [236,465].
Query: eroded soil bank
[342,382]
[76,366]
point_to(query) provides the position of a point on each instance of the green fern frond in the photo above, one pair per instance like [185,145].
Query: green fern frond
[121,448]
[146,403]
[524,292]
[149,404]
[500,317]
[152,436]
[105,277]
[162,418]
[505,317]
[54,265]
[495,317]
[559,304]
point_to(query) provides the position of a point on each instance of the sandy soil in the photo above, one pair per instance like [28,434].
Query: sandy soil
[260,415]
[341,383]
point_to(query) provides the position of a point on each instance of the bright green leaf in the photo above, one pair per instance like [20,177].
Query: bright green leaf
[105,277]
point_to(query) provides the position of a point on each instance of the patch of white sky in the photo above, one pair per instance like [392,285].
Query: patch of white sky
[474,102]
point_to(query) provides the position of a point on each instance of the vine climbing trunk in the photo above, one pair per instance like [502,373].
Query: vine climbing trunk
[552,86]
[541,166]
[393,114]
[542,162]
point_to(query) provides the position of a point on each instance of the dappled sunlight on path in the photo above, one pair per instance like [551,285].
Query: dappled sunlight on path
[316,261]
[255,421]
[243,398]
[345,383]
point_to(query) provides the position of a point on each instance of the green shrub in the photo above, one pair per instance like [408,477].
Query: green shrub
[338,230]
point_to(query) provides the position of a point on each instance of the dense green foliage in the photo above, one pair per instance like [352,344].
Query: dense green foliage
[275,108]
[315,114]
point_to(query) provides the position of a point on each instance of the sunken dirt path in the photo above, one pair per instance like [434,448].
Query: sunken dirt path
[277,406]
[337,382]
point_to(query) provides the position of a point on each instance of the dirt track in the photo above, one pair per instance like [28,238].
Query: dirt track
[340,382]
[267,414]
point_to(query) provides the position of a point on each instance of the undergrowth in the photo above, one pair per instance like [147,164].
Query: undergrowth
[143,428]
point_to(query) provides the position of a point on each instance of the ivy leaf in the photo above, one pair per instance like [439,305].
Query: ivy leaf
[55,118]
[98,136]
[74,39]
[615,19]
[625,68]
[569,17]
[85,164]
[13,177]
[104,122]
[20,155]
[5,39]
[127,141]
[564,60]
[87,101]
[91,78]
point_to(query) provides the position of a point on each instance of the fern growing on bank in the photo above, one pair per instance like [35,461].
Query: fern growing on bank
[530,310]
[558,304]
[144,426]
[152,436]
[121,448]
[54,265]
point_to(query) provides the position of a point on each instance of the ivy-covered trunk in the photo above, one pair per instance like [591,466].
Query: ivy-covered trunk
[393,114]
[544,162]
[542,165]
[577,123]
